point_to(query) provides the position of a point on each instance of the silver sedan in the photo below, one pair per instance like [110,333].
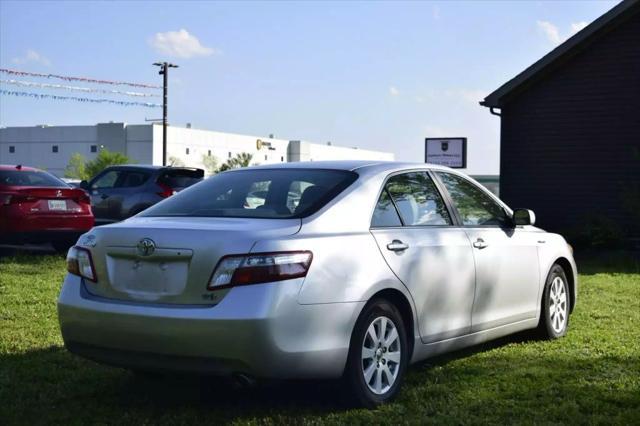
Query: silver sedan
[329,270]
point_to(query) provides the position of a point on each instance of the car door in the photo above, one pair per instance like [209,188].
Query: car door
[127,196]
[101,188]
[414,231]
[506,257]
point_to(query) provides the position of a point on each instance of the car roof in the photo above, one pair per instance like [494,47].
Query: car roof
[350,165]
[19,168]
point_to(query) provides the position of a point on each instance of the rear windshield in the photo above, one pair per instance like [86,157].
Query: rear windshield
[180,178]
[262,193]
[30,178]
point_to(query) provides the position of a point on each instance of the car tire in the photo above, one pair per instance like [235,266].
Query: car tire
[378,358]
[555,309]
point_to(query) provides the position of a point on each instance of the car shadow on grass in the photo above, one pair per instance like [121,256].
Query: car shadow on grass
[53,386]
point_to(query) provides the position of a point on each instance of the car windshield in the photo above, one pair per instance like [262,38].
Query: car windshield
[257,193]
[30,178]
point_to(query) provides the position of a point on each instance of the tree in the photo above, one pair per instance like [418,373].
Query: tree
[210,163]
[175,161]
[76,169]
[240,160]
[105,158]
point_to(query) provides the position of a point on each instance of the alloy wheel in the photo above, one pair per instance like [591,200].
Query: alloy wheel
[381,355]
[558,305]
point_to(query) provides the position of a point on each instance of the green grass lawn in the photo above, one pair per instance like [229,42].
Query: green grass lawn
[590,376]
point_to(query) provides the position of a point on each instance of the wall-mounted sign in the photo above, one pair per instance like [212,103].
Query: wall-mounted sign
[450,152]
[260,143]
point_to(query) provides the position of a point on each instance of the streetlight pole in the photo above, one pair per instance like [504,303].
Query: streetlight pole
[164,71]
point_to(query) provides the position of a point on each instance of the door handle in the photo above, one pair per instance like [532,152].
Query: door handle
[397,245]
[479,243]
[104,196]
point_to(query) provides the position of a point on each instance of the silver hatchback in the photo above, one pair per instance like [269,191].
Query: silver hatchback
[314,270]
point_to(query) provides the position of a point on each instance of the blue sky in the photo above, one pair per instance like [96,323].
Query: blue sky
[375,75]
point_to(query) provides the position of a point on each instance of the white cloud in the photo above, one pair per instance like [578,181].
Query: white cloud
[393,91]
[553,34]
[577,26]
[435,12]
[469,95]
[463,95]
[32,57]
[551,31]
[181,44]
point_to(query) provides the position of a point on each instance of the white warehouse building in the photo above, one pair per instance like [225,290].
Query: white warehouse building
[51,147]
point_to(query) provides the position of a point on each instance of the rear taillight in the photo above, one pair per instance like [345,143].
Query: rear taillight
[6,200]
[259,268]
[84,199]
[80,263]
[167,191]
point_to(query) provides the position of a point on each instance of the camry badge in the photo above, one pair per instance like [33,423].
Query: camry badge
[146,247]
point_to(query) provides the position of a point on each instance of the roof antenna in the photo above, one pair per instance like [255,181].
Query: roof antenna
[19,167]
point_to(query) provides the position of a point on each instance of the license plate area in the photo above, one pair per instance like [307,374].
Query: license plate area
[147,278]
[57,205]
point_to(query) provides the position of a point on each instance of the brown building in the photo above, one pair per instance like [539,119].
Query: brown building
[570,131]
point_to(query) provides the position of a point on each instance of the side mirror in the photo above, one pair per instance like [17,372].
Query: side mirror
[524,217]
[84,185]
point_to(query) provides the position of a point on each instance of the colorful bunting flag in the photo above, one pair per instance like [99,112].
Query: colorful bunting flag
[74,98]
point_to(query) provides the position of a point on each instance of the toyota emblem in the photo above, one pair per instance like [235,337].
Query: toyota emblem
[146,247]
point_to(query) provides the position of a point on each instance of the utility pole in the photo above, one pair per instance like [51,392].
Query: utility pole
[164,71]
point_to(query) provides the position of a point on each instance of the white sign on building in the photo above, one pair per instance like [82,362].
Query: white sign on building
[450,152]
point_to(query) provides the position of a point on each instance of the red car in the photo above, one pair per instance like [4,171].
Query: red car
[37,207]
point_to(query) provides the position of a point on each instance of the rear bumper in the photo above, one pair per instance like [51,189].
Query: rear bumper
[11,237]
[18,227]
[258,330]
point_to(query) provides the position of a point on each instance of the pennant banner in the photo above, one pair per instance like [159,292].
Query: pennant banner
[86,80]
[74,98]
[76,88]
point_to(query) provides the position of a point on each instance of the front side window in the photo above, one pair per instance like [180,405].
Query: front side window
[257,193]
[416,199]
[476,208]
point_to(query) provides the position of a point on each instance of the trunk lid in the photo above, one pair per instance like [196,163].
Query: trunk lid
[170,260]
[50,201]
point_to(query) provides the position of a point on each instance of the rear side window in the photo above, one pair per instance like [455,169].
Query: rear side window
[132,179]
[385,214]
[30,178]
[180,178]
[417,200]
[258,193]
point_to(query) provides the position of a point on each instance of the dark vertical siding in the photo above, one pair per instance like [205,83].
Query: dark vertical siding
[570,143]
